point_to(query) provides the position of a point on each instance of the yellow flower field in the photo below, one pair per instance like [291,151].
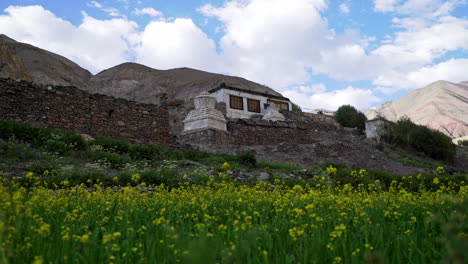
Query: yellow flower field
[222,222]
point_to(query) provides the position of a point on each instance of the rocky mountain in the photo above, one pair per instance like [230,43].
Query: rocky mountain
[441,105]
[26,62]
[141,83]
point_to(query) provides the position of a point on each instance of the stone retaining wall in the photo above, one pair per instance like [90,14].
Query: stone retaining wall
[306,143]
[92,114]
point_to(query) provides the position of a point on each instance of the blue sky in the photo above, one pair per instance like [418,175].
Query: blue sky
[320,54]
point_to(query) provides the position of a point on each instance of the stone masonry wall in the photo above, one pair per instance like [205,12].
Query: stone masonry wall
[306,143]
[92,114]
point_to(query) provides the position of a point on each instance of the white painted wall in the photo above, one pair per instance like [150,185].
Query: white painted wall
[374,128]
[222,96]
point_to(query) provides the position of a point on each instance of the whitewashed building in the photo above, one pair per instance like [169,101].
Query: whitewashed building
[242,103]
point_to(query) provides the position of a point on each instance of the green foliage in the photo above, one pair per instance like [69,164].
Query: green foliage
[360,121]
[278,166]
[348,116]
[463,143]
[110,145]
[345,115]
[296,108]
[153,152]
[247,158]
[408,135]
[109,159]
[54,140]
[15,151]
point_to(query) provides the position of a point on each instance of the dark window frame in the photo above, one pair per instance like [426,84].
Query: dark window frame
[233,104]
[253,105]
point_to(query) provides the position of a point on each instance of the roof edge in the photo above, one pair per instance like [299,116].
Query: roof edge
[225,86]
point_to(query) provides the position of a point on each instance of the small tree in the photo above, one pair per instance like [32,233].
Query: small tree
[296,108]
[360,121]
[348,116]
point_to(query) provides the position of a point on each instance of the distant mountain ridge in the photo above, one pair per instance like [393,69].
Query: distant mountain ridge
[440,105]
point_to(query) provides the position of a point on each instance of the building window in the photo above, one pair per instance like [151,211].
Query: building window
[236,102]
[279,104]
[253,105]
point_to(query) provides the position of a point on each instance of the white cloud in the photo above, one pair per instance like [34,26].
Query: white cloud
[454,70]
[425,8]
[179,43]
[110,10]
[416,47]
[385,5]
[359,98]
[147,11]
[94,44]
[344,8]
[313,88]
[347,62]
[94,4]
[272,41]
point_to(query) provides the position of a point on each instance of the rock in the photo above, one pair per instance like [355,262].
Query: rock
[264,176]
[120,123]
[86,137]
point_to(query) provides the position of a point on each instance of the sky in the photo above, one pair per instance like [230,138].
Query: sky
[321,54]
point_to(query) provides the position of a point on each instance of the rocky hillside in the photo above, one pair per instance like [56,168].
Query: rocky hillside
[26,62]
[441,105]
[140,83]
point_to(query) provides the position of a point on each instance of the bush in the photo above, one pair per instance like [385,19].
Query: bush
[408,135]
[296,109]
[348,116]
[463,143]
[149,152]
[247,159]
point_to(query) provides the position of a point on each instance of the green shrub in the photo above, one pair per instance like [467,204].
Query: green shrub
[14,151]
[196,155]
[407,134]
[463,143]
[296,109]
[247,158]
[150,152]
[54,140]
[348,116]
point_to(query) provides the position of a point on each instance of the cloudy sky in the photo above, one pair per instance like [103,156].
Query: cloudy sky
[319,53]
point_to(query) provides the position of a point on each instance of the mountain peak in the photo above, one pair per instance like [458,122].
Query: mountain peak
[441,105]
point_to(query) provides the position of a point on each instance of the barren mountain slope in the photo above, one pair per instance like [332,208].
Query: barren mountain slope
[140,83]
[26,62]
[440,105]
